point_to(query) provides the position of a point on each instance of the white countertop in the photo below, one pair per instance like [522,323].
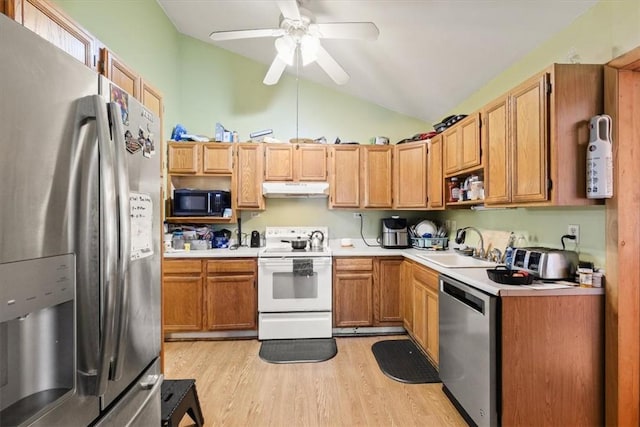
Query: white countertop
[476,277]
[242,252]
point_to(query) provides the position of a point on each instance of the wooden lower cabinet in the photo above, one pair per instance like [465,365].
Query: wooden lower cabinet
[202,295]
[425,310]
[406,294]
[366,291]
[552,358]
[386,292]
[182,295]
[231,294]
[352,292]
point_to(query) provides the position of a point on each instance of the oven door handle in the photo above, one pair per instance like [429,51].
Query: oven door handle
[272,263]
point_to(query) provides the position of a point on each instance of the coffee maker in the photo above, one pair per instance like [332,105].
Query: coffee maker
[394,233]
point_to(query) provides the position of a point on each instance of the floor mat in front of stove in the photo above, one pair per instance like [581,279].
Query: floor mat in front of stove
[298,350]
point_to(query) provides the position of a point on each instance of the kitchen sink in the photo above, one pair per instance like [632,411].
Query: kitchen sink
[450,260]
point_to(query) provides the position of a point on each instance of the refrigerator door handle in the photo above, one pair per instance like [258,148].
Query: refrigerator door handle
[124,253]
[94,107]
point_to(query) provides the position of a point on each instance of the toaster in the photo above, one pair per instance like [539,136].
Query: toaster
[546,263]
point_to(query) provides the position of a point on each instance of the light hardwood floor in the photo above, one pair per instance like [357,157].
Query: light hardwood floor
[237,388]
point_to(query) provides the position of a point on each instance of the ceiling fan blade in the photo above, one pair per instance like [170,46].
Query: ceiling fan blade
[245,34]
[289,9]
[331,67]
[275,71]
[346,30]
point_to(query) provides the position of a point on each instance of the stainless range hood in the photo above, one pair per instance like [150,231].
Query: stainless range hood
[295,189]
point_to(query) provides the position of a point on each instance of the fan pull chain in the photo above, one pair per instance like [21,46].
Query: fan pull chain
[297,91]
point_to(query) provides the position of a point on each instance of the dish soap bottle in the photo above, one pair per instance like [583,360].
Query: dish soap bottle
[508,252]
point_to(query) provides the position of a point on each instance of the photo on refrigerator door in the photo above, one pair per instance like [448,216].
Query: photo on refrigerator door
[121,98]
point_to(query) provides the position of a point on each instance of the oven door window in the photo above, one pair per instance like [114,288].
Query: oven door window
[291,285]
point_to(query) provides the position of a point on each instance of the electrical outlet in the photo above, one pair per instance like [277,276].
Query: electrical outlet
[357,215]
[454,226]
[574,230]
[255,214]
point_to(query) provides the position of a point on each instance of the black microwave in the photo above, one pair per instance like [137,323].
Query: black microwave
[188,202]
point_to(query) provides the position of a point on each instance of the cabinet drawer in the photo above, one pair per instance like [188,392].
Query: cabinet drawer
[231,266]
[354,264]
[426,276]
[182,266]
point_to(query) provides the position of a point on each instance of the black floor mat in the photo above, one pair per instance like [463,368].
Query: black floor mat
[298,350]
[402,361]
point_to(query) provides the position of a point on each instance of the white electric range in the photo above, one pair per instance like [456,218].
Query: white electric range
[294,285]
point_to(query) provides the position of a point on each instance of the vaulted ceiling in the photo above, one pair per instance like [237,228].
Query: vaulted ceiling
[430,54]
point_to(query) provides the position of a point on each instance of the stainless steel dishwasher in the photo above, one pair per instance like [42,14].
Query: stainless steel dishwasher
[468,334]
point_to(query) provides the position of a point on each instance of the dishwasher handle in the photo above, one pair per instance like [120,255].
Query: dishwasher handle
[464,296]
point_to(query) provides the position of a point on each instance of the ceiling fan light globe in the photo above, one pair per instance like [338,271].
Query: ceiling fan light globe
[286,48]
[309,46]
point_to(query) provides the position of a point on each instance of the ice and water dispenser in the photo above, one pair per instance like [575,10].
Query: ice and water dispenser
[37,339]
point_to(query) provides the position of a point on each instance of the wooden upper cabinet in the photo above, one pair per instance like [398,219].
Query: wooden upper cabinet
[195,158]
[497,171]
[410,176]
[344,176]
[46,20]
[278,161]
[435,181]
[451,150]
[310,162]
[217,159]
[536,137]
[183,158]
[376,163]
[462,149]
[152,99]
[248,173]
[119,73]
[469,130]
[529,144]
[295,162]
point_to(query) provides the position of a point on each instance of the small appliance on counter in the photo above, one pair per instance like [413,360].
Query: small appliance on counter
[395,234]
[255,239]
[546,263]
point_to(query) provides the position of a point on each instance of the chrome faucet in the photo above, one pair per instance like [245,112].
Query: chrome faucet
[477,253]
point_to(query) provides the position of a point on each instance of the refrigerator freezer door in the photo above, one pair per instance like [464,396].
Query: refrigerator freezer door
[140,317]
[141,405]
[42,213]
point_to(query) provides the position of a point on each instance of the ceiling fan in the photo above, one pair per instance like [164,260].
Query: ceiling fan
[299,34]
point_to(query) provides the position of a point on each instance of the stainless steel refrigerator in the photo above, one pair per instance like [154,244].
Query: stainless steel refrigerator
[79,243]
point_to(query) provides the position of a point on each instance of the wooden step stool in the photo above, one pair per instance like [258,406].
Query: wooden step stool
[180,397]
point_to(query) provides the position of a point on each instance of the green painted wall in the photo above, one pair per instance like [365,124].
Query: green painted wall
[604,32]
[220,86]
[203,85]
